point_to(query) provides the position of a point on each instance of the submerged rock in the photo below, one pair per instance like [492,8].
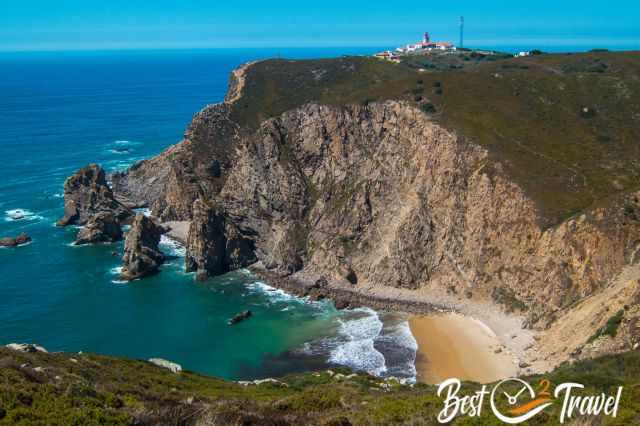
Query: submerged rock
[101,228]
[15,241]
[172,366]
[141,254]
[86,193]
[240,317]
[16,214]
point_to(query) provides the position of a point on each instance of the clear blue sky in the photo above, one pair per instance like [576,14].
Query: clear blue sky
[108,24]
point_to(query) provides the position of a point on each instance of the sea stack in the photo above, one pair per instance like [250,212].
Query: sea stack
[142,256]
[215,246]
[86,194]
[101,228]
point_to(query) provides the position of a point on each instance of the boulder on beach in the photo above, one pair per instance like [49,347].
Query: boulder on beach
[101,228]
[15,241]
[142,257]
[86,194]
[239,317]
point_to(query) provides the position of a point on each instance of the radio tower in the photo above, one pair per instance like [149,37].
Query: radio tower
[462,31]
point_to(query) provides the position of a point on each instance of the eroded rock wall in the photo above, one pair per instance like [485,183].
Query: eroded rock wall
[384,196]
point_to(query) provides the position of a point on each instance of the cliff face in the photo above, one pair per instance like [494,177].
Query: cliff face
[385,192]
[378,195]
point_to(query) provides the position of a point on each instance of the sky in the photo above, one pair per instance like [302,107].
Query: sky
[135,24]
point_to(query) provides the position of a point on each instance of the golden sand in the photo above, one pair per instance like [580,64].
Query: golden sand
[452,345]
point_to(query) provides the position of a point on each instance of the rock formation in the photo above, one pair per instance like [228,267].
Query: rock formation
[213,245]
[15,241]
[379,195]
[101,228]
[141,254]
[86,193]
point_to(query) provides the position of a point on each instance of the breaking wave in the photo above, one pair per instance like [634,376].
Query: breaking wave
[17,215]
[357,350]
[172,247]
[272,293]
[378,343]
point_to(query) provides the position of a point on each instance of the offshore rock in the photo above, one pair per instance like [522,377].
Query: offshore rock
[15,241]
[213,245]
[240,317]
[101,228]
[141,254]
[86,193]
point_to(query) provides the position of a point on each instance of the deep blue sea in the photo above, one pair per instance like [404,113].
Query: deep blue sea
[61,111]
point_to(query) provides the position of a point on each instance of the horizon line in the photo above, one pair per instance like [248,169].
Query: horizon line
[583,43]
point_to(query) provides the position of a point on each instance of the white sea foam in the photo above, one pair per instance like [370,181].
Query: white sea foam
[117,271]
[357,351]
[401,348]
[16,215]
[122,151]
[272,293]
[172,247]
[125,142]
[144,210]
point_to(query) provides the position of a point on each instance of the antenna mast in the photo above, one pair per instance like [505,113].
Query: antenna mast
[462,31]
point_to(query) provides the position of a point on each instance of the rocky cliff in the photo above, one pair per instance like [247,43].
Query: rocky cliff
[386,194]
[86,193]
[142,257]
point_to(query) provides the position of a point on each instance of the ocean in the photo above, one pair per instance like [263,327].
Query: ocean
[62,111]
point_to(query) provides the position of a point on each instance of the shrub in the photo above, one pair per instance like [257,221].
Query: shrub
[428,108]
[610,328]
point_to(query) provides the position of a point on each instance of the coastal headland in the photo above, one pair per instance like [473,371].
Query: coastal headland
[500,188]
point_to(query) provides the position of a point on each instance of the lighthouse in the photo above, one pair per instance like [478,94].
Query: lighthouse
[426,39]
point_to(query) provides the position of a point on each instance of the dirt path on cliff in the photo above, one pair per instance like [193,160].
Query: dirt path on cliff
[239,75]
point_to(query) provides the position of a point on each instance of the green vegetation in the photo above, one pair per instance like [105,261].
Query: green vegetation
[507,297]
[610,328]
[87,389]
[564,127]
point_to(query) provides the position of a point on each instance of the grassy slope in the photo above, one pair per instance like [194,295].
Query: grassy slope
[526,111]
[105,390]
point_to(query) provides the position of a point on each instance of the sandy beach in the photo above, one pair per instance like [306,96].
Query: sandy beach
[453,345]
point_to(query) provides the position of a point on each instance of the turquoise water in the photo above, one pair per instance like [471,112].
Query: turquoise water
[59,112]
